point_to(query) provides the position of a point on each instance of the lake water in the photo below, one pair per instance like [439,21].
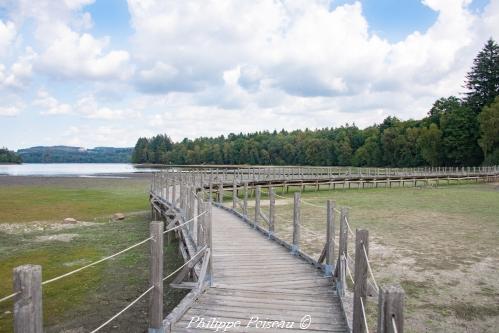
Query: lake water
[69,169]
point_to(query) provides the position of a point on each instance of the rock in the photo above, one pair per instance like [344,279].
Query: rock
[69,220]
[118,217]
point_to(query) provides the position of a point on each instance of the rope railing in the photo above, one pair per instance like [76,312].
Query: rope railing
[364,315]
[96,262]
[186,222]
[185,263]
[370,269]
[348,226]
[394,324]
[349,272]
[6,298]
[311,204]
[123,310]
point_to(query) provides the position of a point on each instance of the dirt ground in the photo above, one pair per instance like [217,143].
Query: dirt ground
[441,244]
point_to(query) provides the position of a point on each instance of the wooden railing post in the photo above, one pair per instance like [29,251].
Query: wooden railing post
[200,223]
[391,309]
[245,202]
[271,211]
[156,278]
[329,238]
[221,193]
[342,275]
[28,312]
[210,199]
[257,205]
[209,229]
[174,192]
[343,238]
[360,280]
[296,222]
[234,195]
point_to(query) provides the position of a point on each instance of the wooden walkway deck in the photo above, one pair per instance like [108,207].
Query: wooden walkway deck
[257,280]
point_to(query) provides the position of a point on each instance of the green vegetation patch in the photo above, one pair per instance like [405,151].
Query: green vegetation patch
[40,202]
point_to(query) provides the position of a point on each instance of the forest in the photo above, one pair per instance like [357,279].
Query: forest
[8,157]
[457,131]
[67,154]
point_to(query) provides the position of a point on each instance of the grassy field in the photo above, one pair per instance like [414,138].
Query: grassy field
[440,243]
[30,232]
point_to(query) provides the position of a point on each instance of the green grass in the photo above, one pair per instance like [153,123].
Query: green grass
[22,203]
[86,299]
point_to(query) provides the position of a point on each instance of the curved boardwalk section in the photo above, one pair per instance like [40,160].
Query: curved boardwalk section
[258,283]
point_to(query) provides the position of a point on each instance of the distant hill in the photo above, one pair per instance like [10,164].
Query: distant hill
[66,154]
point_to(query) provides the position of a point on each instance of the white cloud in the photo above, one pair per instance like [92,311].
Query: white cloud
[50,105]
[88,107]
[9,111]
[69,54]
[7,35]
[301,49]
[19,74]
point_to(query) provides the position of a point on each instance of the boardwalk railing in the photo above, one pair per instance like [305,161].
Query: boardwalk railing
[233,189]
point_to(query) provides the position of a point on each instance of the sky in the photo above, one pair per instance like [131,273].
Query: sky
[105,72]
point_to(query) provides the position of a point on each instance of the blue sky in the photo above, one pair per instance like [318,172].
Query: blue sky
[93,73]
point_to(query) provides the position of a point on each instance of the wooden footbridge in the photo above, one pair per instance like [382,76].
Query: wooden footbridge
[258,281]
[243,272]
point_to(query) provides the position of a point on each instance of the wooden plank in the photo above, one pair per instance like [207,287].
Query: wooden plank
[28,313]
[156,277]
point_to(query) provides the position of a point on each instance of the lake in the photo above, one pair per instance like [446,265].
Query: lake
[70,169]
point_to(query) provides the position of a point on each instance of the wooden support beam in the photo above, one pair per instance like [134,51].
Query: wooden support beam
[360,278]
[156,278]
[271,211]
[257,204]
[245,204]
[296,221]
[330,205]
[28,313]
[391,310]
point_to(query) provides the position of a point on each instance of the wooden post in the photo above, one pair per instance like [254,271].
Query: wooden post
[245,203]
[221,193]
[296,222]
[330,238]
[343,237]
[156,278]
[360,278]
[211,186]
[174,193]
[234,195]
[271,211]
[391,309]
[200,223]
[257,204]
[28,313]
[209,229]
[342,275]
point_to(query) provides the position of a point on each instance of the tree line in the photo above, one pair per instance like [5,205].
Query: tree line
[8,156]
[456,132]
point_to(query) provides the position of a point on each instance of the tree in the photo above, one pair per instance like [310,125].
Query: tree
[139,154]
[489,132]
[459,127]
[482,81]
[8,156]
[440,106]
[430,145]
